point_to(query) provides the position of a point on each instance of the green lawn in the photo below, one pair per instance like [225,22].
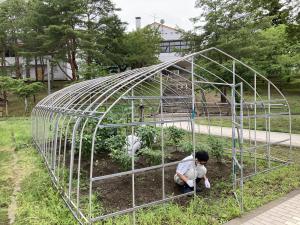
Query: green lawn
[278,124]
[39,203]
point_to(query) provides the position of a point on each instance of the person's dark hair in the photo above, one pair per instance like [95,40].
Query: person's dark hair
[202,156]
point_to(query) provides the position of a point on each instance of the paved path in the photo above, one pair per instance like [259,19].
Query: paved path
[227,132]
[284,211]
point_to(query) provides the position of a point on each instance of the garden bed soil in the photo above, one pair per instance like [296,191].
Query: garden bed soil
[116,193]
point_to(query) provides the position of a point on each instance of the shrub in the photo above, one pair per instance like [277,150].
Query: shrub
[187,147]
[116,142]
[101,136]
[217,147]
[148,135]
[122,158]
[175,134]
[152,156]
[202,147]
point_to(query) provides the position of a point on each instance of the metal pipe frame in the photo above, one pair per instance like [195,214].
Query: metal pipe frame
[62,119]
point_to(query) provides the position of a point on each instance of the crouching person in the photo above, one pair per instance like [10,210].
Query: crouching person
[194,170]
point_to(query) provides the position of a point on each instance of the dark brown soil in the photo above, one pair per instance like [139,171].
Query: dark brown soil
[116,193]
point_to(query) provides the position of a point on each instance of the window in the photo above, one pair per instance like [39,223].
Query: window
[172,46]
[9,53]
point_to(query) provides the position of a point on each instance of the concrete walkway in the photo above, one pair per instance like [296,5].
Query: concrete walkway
[227,132]
[284,211]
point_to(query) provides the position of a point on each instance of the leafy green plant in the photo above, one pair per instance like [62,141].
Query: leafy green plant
[175,134]
[217,148]
[116,142]
[103,136]
[202,147]
[121,157]
[187,147]
[152,156]
[147,135]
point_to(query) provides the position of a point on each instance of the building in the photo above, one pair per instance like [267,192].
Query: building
[35,69]
[172,44]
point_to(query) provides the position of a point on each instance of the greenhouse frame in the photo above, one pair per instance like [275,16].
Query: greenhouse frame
[71,127]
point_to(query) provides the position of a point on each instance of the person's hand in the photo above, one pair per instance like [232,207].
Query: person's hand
[190,183]
[207,184]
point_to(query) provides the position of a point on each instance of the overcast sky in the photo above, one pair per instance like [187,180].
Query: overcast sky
[174,12]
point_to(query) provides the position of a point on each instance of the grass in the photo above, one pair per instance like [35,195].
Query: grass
[39,203]
[16,105]
[6,188]
[261,190]
[279,124]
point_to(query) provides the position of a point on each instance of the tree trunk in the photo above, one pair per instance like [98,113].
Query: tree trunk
[36,69]
[224,94]
[34,99]
[6,102]
[204,102]
[72,61]
[27,67]
[43,68]
[17,63]
[51,71]
[26,104]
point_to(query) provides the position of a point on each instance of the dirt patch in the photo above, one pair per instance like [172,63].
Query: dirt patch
[116,193]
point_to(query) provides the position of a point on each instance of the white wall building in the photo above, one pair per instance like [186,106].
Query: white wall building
[172,42]
[41,69]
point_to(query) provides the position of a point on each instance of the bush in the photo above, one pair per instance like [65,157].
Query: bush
[175,134]
[102,135]
[217,147]
[187,147]
[116,142]
[122,158]
[152,156]
[202,147]
[147,134]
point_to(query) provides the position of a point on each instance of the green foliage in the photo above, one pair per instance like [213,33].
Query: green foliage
[264,37]
[121,157]
[116,142]
[153,157]
[187,147]
[91,71]
[202,147]
[7,84]
[39,203]
[216,147]
[24,89]
[103,134]
[141,48]
[147,134]
[175,134]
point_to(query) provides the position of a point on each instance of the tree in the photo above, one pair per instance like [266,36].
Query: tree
[24,90]
[6,85]
[141,48]
[12,14]
[253,31]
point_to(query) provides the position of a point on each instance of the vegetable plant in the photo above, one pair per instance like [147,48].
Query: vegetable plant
[122,158]
[217,148]
[153,157]
[148,135]
[175,134]
[187,147]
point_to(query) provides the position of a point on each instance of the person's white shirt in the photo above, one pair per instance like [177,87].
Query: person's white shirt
[133,144]
[189,169]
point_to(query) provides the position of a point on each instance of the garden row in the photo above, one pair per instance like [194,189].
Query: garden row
[151,139]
